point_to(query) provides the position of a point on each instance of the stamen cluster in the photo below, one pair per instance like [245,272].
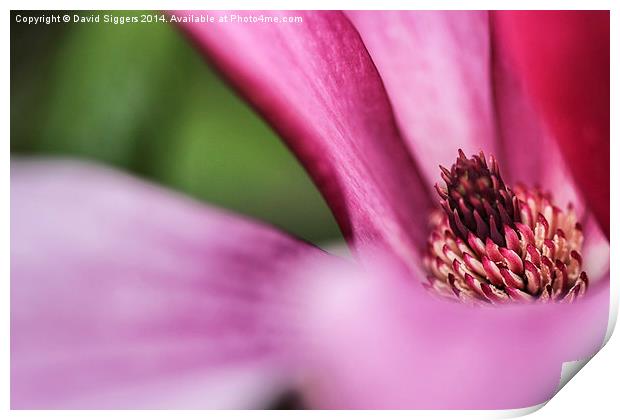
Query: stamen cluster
[490,244]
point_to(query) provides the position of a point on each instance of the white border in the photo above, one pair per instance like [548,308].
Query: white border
[593,394]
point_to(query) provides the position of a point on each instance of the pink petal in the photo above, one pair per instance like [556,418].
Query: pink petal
[595,250]
[520,128]
[530,153]
[126,296]
[453,84]
[380,341]
[436,70]
[315,83]
[563,57]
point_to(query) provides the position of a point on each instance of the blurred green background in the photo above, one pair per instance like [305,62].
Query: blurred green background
[140,98]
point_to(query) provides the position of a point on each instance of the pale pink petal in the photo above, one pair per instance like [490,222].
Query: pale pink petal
[563,58]
[380,341]
[595,250]
[436,68]
[316,84]
[124,295]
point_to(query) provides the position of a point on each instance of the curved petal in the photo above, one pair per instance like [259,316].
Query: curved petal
[126,296]
[380,341]
[315,83]
[563,57]
[596,252]
[531,154]
[453,84]
[435,66]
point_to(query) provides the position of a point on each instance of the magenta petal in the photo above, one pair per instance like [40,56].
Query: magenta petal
[526,146]
[126,296]
[435,66]
[382,342]
[530,154]
[563,58]
[316,84]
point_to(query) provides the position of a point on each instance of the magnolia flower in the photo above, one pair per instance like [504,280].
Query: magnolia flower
[124,295]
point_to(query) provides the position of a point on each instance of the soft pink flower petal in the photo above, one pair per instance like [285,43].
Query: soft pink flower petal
[436,69]
[380,341]
[316,84]
[127,296]
[453,85]
[563,57]
[595,252]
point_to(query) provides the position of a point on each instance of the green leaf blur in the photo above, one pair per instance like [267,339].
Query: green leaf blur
[139,97]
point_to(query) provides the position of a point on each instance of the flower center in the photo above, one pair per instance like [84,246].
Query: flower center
[490,244]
